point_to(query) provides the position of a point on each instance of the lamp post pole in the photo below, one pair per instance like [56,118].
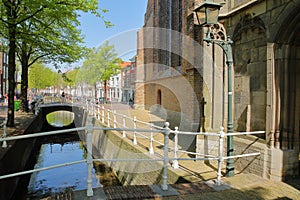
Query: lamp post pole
[217,35]
[207,14]
[230,146]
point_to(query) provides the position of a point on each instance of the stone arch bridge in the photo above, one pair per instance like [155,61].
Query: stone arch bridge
[45,109]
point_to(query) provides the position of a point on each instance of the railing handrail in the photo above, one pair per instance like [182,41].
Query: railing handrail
[221,134]
[127,117]
[182,132]
[217,134]
[89,128]
[47,133]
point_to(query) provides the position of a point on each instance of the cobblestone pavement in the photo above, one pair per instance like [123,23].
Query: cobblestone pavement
[240,186]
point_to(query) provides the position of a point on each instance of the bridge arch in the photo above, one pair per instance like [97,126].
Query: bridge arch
[79,114]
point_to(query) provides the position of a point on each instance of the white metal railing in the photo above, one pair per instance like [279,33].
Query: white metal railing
[113,119]
[119,124]
[106,119]
[89,128]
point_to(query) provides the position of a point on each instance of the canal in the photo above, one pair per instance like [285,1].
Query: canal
[60,149]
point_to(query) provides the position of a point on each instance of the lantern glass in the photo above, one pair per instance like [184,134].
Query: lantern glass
[201,15]
[207,13]
[212,15]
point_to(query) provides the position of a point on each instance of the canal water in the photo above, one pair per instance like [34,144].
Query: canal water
[59,180]
[60,149]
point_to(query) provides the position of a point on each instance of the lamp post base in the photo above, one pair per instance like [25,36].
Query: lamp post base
[229,171]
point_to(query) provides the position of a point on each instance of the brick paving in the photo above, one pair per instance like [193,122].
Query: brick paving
[129,192]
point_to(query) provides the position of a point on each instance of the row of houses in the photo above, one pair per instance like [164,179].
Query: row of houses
[119,88]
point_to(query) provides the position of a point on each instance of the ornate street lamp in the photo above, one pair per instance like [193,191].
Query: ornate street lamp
[207,15]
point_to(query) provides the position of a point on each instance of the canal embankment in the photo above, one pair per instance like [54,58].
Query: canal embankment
[244,186]
[16,156]
[112,145]
[19,155]
[22,155]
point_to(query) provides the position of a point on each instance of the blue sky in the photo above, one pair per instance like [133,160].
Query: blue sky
[127,17]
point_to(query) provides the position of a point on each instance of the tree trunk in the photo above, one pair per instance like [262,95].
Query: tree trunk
[24,84]
[11,83]
[11,66]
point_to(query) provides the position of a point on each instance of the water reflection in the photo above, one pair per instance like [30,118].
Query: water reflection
[106,175]
[58,180]
[60,118]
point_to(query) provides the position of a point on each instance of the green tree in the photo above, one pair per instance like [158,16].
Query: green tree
[40,76]
[28,21]
[62,43]
[99,65]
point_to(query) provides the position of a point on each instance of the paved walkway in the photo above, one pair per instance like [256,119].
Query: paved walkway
[199,175]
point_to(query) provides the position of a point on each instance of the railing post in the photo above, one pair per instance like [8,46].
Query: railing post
[175,162]
[4,144]
[220,160]
[89,158]
[164,185]
[151,151]
[124,126]
[134,132]
[103,115]
[115,119]
[108,118]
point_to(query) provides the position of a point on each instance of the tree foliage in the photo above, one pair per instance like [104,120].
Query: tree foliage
[100,64]
[40,76]
[42,30]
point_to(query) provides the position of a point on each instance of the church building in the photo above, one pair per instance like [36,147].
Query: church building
[184,80]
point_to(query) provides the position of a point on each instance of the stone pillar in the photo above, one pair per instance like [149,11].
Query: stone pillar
[139,93]
[271,96]
[281,112]
[284,163]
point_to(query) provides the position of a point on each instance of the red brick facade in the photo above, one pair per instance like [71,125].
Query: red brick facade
[164,73]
